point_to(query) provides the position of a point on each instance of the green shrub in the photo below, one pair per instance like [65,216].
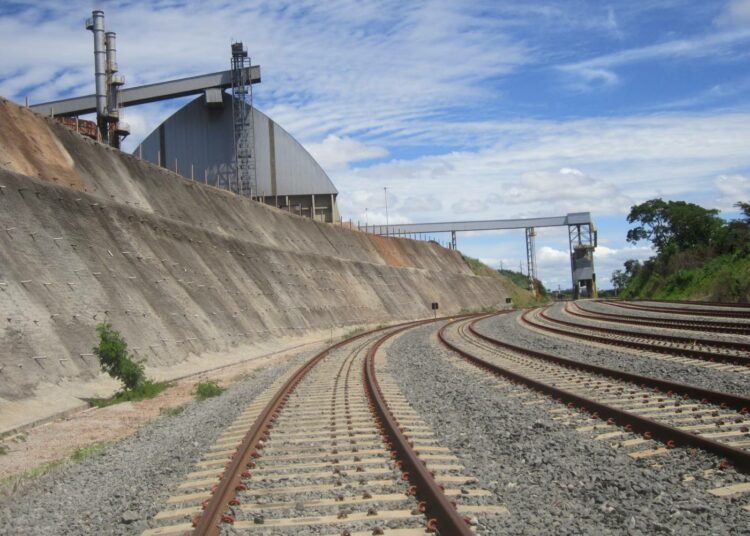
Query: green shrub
[207,389]
[114,358]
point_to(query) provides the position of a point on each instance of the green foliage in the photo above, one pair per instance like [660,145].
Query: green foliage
[3,450]
[114,358]
[672,225]
[81,453]
[145,390]
[207,389]
[699,256]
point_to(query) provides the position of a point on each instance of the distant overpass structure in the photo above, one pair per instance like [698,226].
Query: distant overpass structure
[582,240]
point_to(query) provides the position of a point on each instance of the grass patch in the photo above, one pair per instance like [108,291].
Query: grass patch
[353,332]
[81,453]
[172,412]
[3,450]
[144,391]
[207,389]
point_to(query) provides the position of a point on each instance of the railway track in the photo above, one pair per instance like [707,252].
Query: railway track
[715,310]
[331,448]
[675,414]
[726,355]
[727,328]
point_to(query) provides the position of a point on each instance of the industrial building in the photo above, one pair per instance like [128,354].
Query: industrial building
[219,138]
[197,142]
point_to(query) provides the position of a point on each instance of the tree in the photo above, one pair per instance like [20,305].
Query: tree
[745,209]
[114,358]
[619,280]
[673,225]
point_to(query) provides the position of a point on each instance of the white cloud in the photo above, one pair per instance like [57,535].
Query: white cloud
[733,188]
[540,168]
[736,13]
[335,153]
[554,264]
[600,69]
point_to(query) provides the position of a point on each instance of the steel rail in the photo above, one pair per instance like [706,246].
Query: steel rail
[736,402]
[446,518]
[697,354]
[682,310]
[224,493]
[636,423]
[725,345]
[704,303]
[727,328]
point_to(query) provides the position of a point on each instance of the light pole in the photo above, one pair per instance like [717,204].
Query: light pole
[366,221]
[385,192]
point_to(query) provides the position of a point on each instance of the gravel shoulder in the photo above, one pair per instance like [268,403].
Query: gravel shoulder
[118,489]
[506,328]
[552,478]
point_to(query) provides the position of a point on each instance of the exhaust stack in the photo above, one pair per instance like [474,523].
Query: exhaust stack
[96,25]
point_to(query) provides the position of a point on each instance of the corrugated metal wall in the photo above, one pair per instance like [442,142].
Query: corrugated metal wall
[198,141]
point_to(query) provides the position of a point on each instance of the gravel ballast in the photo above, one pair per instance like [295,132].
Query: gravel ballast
[553,479]
[505,327]
[118,490]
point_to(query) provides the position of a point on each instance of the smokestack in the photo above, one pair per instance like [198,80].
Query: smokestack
[96,25]
[111,41]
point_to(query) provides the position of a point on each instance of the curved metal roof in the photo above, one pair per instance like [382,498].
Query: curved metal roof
[202,136]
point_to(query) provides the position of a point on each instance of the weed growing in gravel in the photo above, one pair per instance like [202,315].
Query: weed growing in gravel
[207,389]
[81,453]
[11,484]
[172,412]
[3,450]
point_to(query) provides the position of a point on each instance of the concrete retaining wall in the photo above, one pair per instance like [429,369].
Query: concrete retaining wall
[184,271]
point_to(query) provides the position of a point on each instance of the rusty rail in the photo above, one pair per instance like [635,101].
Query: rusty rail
[224,494]
[687,352]
[656,430]
[443,512]
[682,310]
[728,328]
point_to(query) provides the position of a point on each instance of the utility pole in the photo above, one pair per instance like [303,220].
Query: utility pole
[385,193]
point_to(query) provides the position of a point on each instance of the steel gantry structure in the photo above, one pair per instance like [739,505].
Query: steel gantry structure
[582,239]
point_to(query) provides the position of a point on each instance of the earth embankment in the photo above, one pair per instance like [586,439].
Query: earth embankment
[194,277]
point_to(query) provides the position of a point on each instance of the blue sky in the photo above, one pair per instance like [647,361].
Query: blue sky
[465,110]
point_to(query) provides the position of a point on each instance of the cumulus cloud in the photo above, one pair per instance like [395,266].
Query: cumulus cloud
[427,203]
[732,188]
[554,264]
[336,153]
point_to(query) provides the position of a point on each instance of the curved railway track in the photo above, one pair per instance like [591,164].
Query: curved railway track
[672,413]
[734,354]
[728,328]
[331,448]
[693,310]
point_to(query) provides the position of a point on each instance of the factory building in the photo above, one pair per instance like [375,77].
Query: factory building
[197,142]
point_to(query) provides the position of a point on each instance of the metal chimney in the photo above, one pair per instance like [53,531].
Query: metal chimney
[96,25]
